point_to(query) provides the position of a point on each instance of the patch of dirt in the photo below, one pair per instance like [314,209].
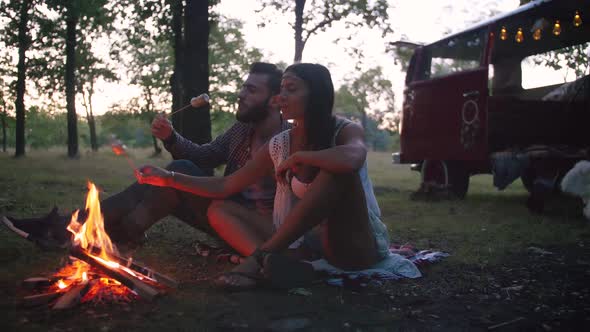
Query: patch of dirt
[540,289]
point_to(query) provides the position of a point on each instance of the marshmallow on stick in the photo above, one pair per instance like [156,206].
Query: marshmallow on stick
[199,101]
[121,150]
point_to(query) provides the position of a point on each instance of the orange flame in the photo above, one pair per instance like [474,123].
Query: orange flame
[61,284]
[91,233]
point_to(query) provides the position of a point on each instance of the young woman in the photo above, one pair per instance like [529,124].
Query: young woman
[324,201]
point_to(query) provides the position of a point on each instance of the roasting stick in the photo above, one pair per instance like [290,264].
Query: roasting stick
[120,150]
[199,101]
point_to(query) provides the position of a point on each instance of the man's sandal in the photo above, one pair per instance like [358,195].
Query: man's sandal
[48,232]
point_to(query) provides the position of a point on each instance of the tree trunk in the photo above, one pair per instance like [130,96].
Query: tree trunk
[150,116]
[23,45]
[91,122]
[4,114]
[70,78]
[299,5]
[196,123]
[90,115]
[176,79]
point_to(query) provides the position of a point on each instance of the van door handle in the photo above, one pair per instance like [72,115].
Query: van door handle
[471,94]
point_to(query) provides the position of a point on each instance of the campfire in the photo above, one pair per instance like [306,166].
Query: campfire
[95,272]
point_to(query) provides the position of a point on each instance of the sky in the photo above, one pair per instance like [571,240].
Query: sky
[421,21]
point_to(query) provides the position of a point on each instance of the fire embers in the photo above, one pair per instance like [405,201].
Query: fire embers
[75,284]
[95,272]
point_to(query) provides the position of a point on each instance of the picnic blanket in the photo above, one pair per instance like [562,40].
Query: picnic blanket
[401,263]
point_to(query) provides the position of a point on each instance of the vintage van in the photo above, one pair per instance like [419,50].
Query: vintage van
[472,103]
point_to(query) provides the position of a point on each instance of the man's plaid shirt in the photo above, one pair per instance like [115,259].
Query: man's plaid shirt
[231,148]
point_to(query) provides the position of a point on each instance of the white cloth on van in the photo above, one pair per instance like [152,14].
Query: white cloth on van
[577,182]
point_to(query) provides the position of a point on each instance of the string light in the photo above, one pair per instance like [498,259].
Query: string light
[537,34]
[577,19]
[557,28]
[519,37]
[503,33]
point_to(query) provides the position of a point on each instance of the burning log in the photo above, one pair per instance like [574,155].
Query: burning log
[73,295]
[93,258]
[148,272]
[141,269]
[127,279]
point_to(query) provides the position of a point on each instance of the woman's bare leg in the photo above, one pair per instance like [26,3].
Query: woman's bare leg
[338,201]
[242,228]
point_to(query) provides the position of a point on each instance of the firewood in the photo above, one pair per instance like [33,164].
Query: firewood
[132,282]
[39,299]
[35,282]
[146,271]
[72,296]
[142,269]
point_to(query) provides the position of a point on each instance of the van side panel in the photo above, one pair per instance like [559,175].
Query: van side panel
[446,118]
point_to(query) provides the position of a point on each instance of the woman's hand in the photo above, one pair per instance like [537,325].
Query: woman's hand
[291,165]
[154,175]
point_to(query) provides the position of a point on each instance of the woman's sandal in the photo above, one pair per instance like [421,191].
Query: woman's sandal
[226,281]
[275,271]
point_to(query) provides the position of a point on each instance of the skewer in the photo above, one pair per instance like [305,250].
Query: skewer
[199,101]
[119,150]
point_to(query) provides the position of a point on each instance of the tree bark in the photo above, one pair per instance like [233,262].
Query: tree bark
[299,6]
[70,78]
[177,76]
[196,123]
[4,115]
[150,116]
[23,45]
[92,123]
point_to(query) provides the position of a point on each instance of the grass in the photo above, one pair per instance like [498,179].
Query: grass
[477,230]
[480,231]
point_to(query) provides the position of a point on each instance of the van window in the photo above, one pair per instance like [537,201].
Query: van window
[455,54]
[555,67]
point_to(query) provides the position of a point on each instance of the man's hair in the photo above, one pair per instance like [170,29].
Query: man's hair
[274,75]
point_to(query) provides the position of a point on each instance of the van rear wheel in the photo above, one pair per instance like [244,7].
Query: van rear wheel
[450,175]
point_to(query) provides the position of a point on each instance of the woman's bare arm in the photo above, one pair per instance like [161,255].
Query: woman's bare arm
[347,156]
[210,186]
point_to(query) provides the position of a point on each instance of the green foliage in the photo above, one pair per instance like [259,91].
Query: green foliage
[318,16]
[402,53]
[573,58]
[369,99]
[229,60]
[221,121]
[48,68]
[131,128]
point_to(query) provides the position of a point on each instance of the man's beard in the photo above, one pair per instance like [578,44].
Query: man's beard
[254,114]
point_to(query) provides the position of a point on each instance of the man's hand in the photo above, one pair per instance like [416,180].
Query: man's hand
[162,127]
[155,176]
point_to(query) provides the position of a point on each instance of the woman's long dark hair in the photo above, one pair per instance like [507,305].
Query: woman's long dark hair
[319,122]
